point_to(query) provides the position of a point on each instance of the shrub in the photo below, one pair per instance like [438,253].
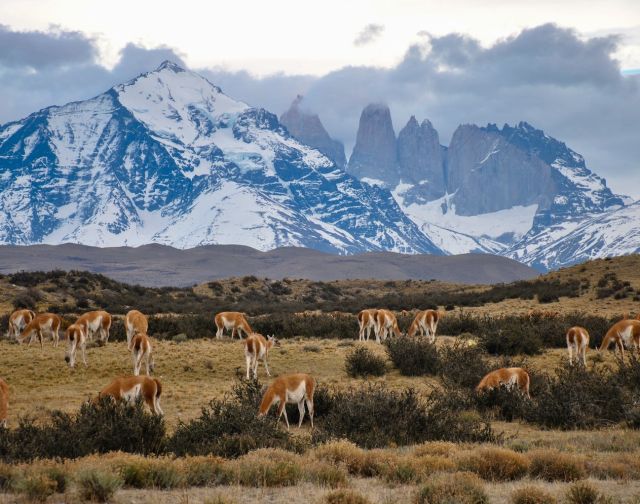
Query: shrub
[325,474]
[584,493]
[552,465]
[269,468]
[150,473]
[505,403]
[97,428]
[7,477]
[578,398]
[374,416]
[345,497]
[461,488]
[532,495]
[363,362]
[204,471]
[413,356]
[36,487]
[495,464]
[509,336]
[463,364]
[230,427]
[98,485]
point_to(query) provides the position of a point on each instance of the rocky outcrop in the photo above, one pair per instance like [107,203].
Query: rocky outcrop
[308,128]
[374,156]
[420,158]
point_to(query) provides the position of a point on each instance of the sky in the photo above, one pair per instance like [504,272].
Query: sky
[570,67]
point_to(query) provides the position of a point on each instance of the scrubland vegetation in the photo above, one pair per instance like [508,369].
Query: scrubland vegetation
[398,422]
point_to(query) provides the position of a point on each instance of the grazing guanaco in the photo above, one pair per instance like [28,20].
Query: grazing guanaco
[135,322]
[578,342]
[234,321]
[43,323]
[509,377]
[75,337]
[96,322]
[386,323]
[18,321]
[623,333]
[4,402]
[140,348]
[292,389]
[367,323]
[130,388]
[426,322]
[256,346]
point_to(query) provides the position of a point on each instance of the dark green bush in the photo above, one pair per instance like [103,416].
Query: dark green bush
[96,428]
[462,364]
[578,398]
[230,427]
[413,356]
[373,416]
[363,362]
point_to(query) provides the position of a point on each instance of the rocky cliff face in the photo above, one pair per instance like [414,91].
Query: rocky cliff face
[421,158]
[308,128]
[374,156]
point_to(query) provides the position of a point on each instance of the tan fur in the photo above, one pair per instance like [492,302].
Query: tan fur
[96,322]
[48,323]
[426,322]
[386,323]
[256,346]
[130,388]
[367,323]
[18,320]
[506,377]
[140,348]
[293,389]
[234,321]
[135,322]
[626,332]
[4,402]
[75,337]
[578,343]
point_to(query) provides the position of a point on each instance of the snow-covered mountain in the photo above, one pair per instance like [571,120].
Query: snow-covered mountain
[168,158]
[513,191]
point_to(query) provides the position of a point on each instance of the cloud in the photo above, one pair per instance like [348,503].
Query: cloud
[368,34]
[37,49]
[39,69]
[552,77]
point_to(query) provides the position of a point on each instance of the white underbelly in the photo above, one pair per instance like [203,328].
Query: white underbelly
[132,394]
[296,395]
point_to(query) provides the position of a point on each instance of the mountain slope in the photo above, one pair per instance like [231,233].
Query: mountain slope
[168,158]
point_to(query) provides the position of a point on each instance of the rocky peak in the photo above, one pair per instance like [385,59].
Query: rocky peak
[308,128]
[374,154]
[420,157]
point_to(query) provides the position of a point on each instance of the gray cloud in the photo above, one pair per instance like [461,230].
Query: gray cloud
[39,69]
[39,49]
[368,34]
[549,76]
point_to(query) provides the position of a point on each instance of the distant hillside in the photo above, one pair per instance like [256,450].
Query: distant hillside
[159,265]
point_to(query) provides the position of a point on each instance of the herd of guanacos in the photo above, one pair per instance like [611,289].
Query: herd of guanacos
[297,388]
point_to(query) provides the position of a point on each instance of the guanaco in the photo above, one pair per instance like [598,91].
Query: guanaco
[367,323]
[140,348]
[130,388]
[75,337]
[257,347]
[135,322]
[509,377]
[578,343]
[386,323]
[426,322]
[96,322]
[44,323]
[234,321]
[290,389]
[623,333]
[18,321]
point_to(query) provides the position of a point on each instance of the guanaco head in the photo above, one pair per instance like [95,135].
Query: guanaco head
[273,340]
